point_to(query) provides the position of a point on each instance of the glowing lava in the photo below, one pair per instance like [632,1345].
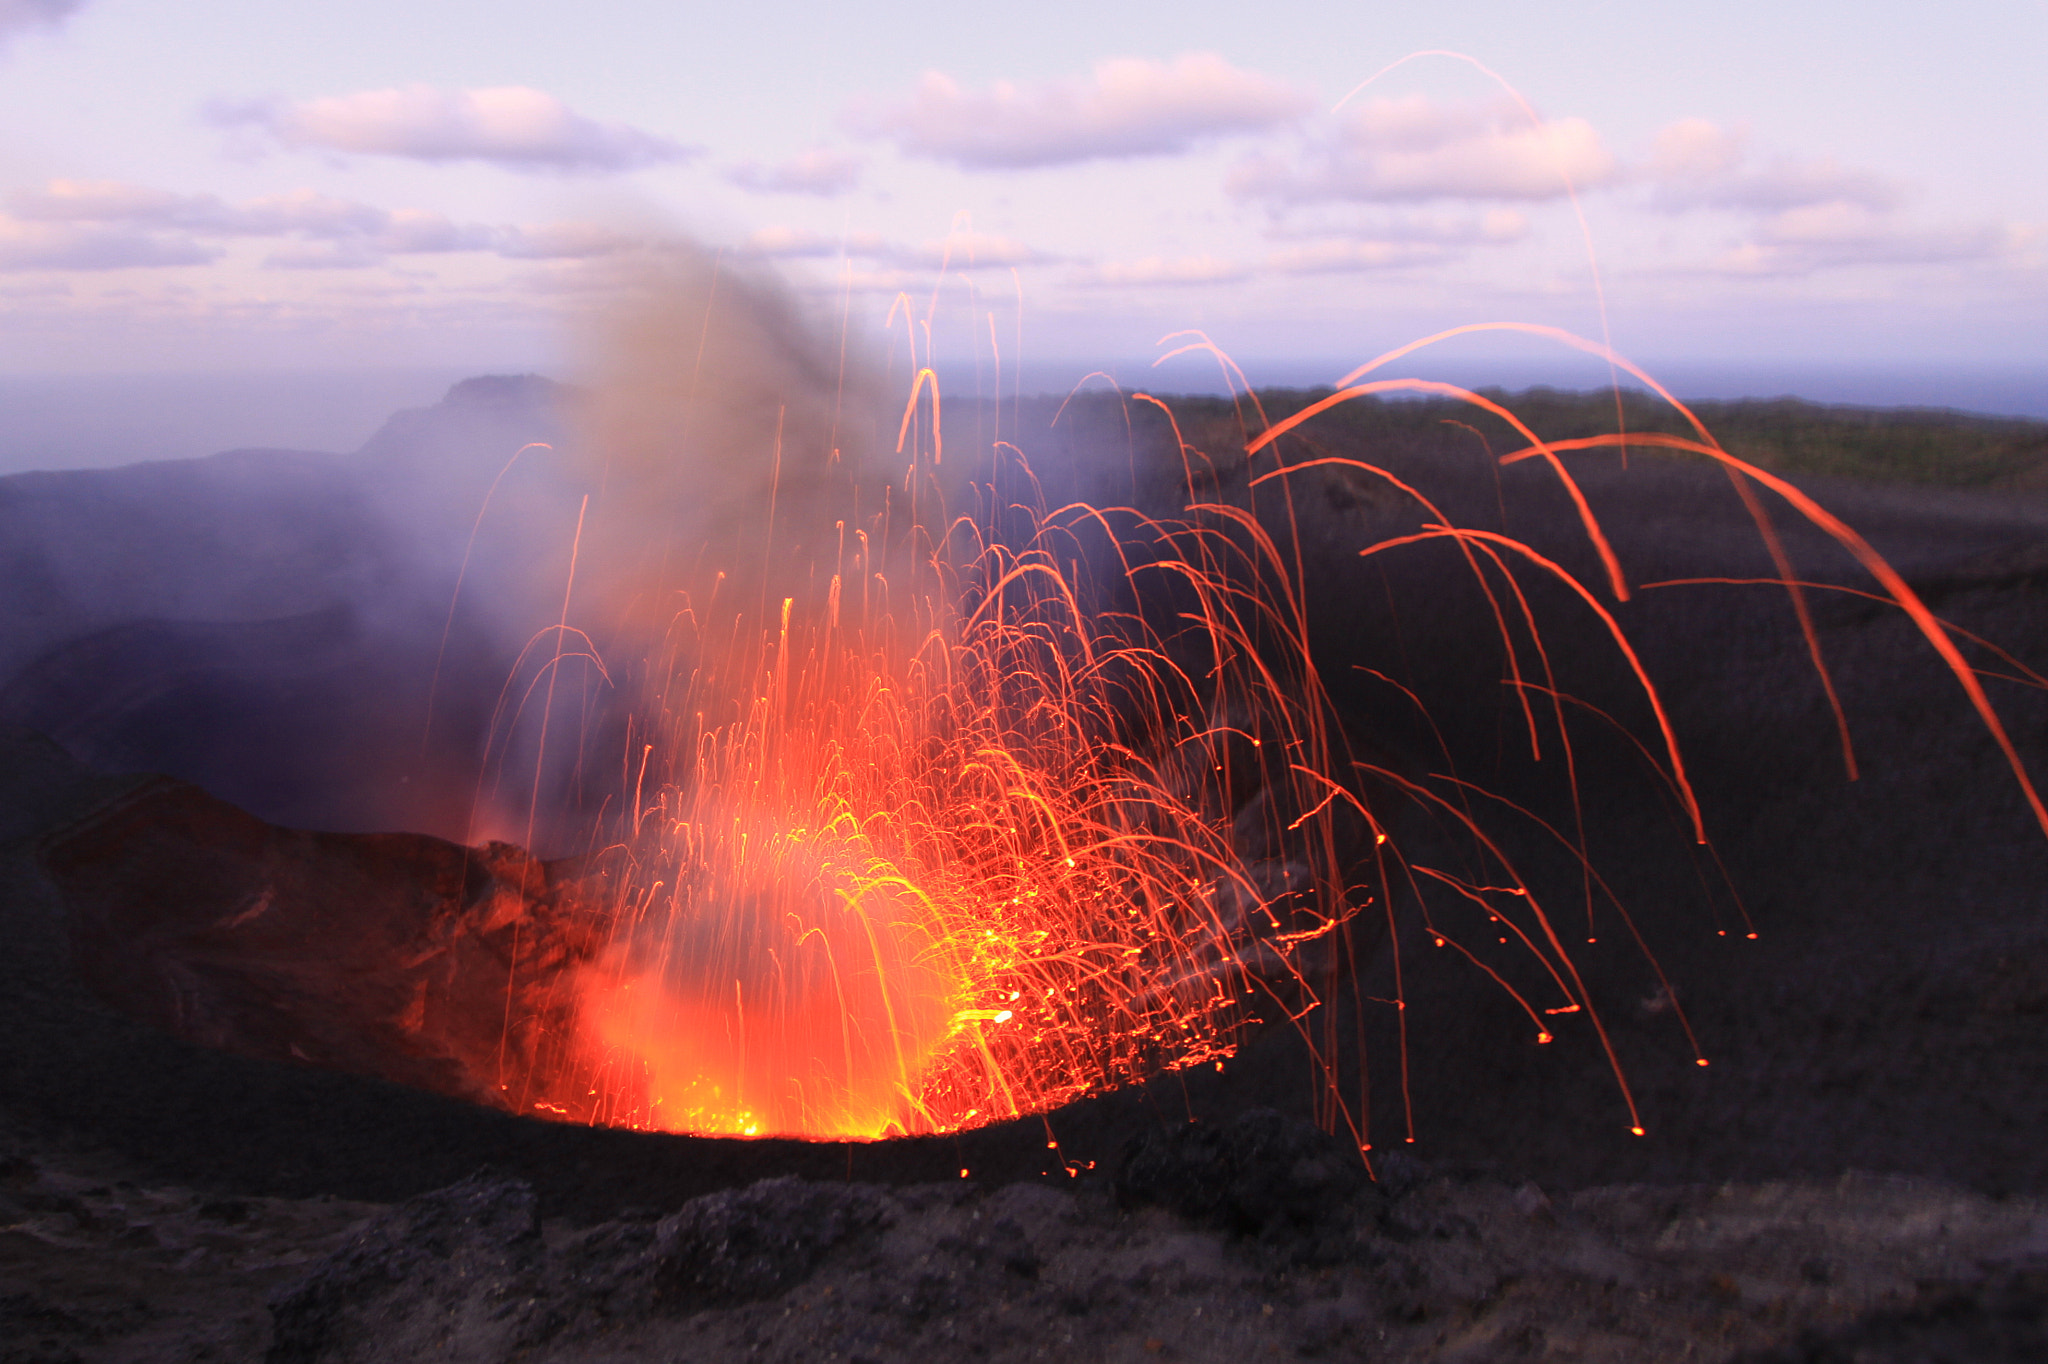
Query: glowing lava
[917,870]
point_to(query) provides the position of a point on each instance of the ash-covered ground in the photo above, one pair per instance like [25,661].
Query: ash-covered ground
[1261,1239]
[1857,1175]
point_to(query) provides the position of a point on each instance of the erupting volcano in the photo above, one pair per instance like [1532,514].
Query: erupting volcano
[890,774]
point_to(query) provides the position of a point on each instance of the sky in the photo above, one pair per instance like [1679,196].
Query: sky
[244,187]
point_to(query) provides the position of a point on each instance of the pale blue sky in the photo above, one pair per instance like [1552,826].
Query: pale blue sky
[1764,182]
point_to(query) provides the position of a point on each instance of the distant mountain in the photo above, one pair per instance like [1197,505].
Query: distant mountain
[266,622]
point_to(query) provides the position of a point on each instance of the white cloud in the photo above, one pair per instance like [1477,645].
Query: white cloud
[777,242]
[1804,215]
[565,241]
[1494,227]
[17,16]
[1695,149]
[408,231]
[820,171]
[301,211]
[512,126]
[1418,149]
[324,256]
[1837,235]
[572,279]
[374,290]
[95,220]
[72,201]
[960,251]
[1698,164]
[1151,271]
[332,233]
[980,250]
[1335,255]
[880,281]
[1503,225]
[69,246]
[1128,107]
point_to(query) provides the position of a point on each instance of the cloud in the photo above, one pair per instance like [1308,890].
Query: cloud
[1493,227]
[384,289]
[1808,215]
[565,241]
[17,16]
[880,281]
[67,246]
[777,242]
[960,251]
[113,201]
[820,171]
[1838,235]
[1416,149]
[512,126]
[324,256]
[1346,241]
[410,231]
[980,251]
[1697,164]
[71,201]
[303,210]
[1129,107]
[333,233]
[1338,255]
[1154,271]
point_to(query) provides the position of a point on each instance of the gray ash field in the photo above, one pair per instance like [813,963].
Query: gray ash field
[1858,1173]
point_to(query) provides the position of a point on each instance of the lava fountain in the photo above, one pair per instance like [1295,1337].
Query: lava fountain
[928,855]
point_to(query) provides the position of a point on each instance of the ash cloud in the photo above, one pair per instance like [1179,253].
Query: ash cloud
[720,408]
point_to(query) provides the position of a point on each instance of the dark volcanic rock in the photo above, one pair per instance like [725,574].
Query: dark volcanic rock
[452,1274]
[383,955]
[723,1249]
[463,1273]
[2002,1319]
[1263,1174]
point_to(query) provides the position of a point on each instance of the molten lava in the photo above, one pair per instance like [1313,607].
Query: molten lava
[914,873]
